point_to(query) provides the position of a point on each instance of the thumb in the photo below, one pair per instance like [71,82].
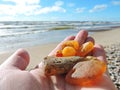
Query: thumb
[20,60]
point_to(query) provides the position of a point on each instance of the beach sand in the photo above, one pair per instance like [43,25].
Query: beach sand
[107,37]
[37,53]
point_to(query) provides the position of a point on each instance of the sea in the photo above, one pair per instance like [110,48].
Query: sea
[21,34]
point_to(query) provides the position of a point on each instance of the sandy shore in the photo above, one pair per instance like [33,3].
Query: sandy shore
[107,37]
[37,53]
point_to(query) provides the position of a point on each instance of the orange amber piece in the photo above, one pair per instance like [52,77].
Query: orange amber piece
[59,53]
[85,49]
[68,51]
[72,43]
[86,73]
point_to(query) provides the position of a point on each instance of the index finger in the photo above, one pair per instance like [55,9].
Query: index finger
[81,36]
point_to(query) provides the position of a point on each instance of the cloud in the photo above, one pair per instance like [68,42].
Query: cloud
[59,3]
[55,8]
[116,2]
[29,7]
[71,4]
[46,10]
[17,9]
[98,8]
[23,2]
[6,18]
[80,10]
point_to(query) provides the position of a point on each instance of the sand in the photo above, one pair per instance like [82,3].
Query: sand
[107,37]
[37,53]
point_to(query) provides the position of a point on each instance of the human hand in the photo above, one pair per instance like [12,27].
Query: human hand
[13,75]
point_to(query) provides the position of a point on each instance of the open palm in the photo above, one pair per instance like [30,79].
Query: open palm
[13,75]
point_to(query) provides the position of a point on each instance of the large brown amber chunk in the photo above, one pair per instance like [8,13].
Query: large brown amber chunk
[59,65]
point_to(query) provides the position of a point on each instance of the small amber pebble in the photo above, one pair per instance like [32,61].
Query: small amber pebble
[68,51]
[85,49]
[59,53]
[72,43]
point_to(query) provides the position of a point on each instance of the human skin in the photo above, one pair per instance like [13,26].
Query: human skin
[13,75]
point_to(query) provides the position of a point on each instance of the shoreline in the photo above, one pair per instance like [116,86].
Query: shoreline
[104,29]
[6,47]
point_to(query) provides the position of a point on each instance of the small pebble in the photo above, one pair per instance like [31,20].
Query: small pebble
[113,58]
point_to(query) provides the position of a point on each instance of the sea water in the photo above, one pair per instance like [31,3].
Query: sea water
[19,34]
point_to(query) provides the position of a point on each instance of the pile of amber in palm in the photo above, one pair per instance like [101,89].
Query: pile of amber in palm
[74,61]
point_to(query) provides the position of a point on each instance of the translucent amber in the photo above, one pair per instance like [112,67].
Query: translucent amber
[72,43]
[86,73]
[74,49]
[85,49]
[59,53]
[68,51]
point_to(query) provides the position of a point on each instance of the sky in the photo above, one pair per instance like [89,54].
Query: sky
[59,10]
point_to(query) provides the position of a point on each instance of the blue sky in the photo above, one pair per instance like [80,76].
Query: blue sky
[60,10]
